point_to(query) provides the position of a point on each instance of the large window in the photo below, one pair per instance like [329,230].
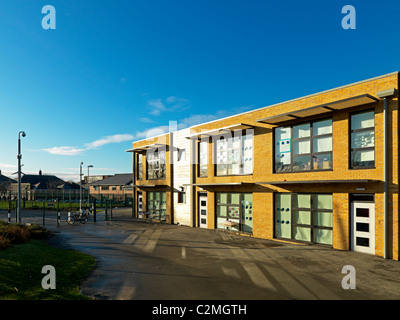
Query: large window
[157,205]
[155,164]
[304,147]
[234,155]
[234,211]
[362,140]
[304,217]
[203,158]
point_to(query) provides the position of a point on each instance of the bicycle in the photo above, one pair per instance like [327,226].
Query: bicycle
[72,218]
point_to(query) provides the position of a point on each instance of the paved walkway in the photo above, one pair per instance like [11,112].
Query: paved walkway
[137,260]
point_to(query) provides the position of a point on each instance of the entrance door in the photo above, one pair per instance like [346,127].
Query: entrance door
[363,227]
[202,210]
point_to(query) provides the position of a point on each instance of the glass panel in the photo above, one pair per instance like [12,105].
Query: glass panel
[302,217]
[323,219]
[364,242]
[362,212]
[301,163]
[363,227]
[222,156]
[302,234]
[362,120]
[323,201]
[235,198]
[301,131]
[323,236]
[222,197]
[363,139]
[322,161]
[322,144]
[322,127]
[301,147]
[302,201]
[362,158]
[282,149]
[247,212]
[234,212]
[247,153]
[283,216]
[221,211]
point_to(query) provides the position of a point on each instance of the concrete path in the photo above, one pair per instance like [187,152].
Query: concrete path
[138,260]
[154,261]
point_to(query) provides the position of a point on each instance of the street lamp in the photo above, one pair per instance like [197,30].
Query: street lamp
[80,188]
[19,157]
[88,197]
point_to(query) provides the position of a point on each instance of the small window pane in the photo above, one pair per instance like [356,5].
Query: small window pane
[235,198]
[323,236]
[322,127]
[302,234]
[301,147]
[322,144]
[362,158]
[301,163]
[301,131]
[222,198]
[221,211]
[302,217]
[362,120]
[302,201]
[363,139]
[322,161]
[323,201]
[323,219]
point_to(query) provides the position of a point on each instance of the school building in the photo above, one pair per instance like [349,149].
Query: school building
[321,169]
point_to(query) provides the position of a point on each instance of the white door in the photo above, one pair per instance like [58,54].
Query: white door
[140,202]
[363,227]
[203,210]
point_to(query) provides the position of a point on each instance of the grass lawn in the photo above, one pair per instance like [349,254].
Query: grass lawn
[21,277]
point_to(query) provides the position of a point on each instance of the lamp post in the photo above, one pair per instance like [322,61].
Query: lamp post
[80,188]
[19,157]
[88,197]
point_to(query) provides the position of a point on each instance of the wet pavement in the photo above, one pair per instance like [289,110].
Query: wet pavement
[155,261]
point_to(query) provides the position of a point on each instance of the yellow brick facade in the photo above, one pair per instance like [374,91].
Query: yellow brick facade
[263,166]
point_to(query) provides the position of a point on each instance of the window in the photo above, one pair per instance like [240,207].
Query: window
[234,211]
[181,197]
[113,188]
[362,140]
[105,188]
[203,158]
[234,155]
[304,217]
[304,147]
[157,205]
[139,166]
[155,164]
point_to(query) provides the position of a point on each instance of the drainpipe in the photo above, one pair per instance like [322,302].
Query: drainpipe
[385,95]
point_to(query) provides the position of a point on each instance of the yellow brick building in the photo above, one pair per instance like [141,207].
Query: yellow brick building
[321,169]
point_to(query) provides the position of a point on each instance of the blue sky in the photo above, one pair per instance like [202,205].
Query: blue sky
[113,69]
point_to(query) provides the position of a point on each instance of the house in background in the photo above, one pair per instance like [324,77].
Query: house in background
[117,187]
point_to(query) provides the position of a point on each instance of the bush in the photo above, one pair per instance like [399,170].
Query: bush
[17,234]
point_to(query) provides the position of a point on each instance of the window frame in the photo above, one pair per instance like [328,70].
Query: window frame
[312,226]
[312,155]
[159,216]
[139,166]
[241,163]
[206,141]
[228,204]
[351,131]
[162,168]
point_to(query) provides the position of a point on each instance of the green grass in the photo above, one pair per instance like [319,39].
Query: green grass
[21,277]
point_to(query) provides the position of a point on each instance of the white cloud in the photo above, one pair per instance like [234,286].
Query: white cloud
[64,151]
[8,166]
[170,104]
[116,138]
